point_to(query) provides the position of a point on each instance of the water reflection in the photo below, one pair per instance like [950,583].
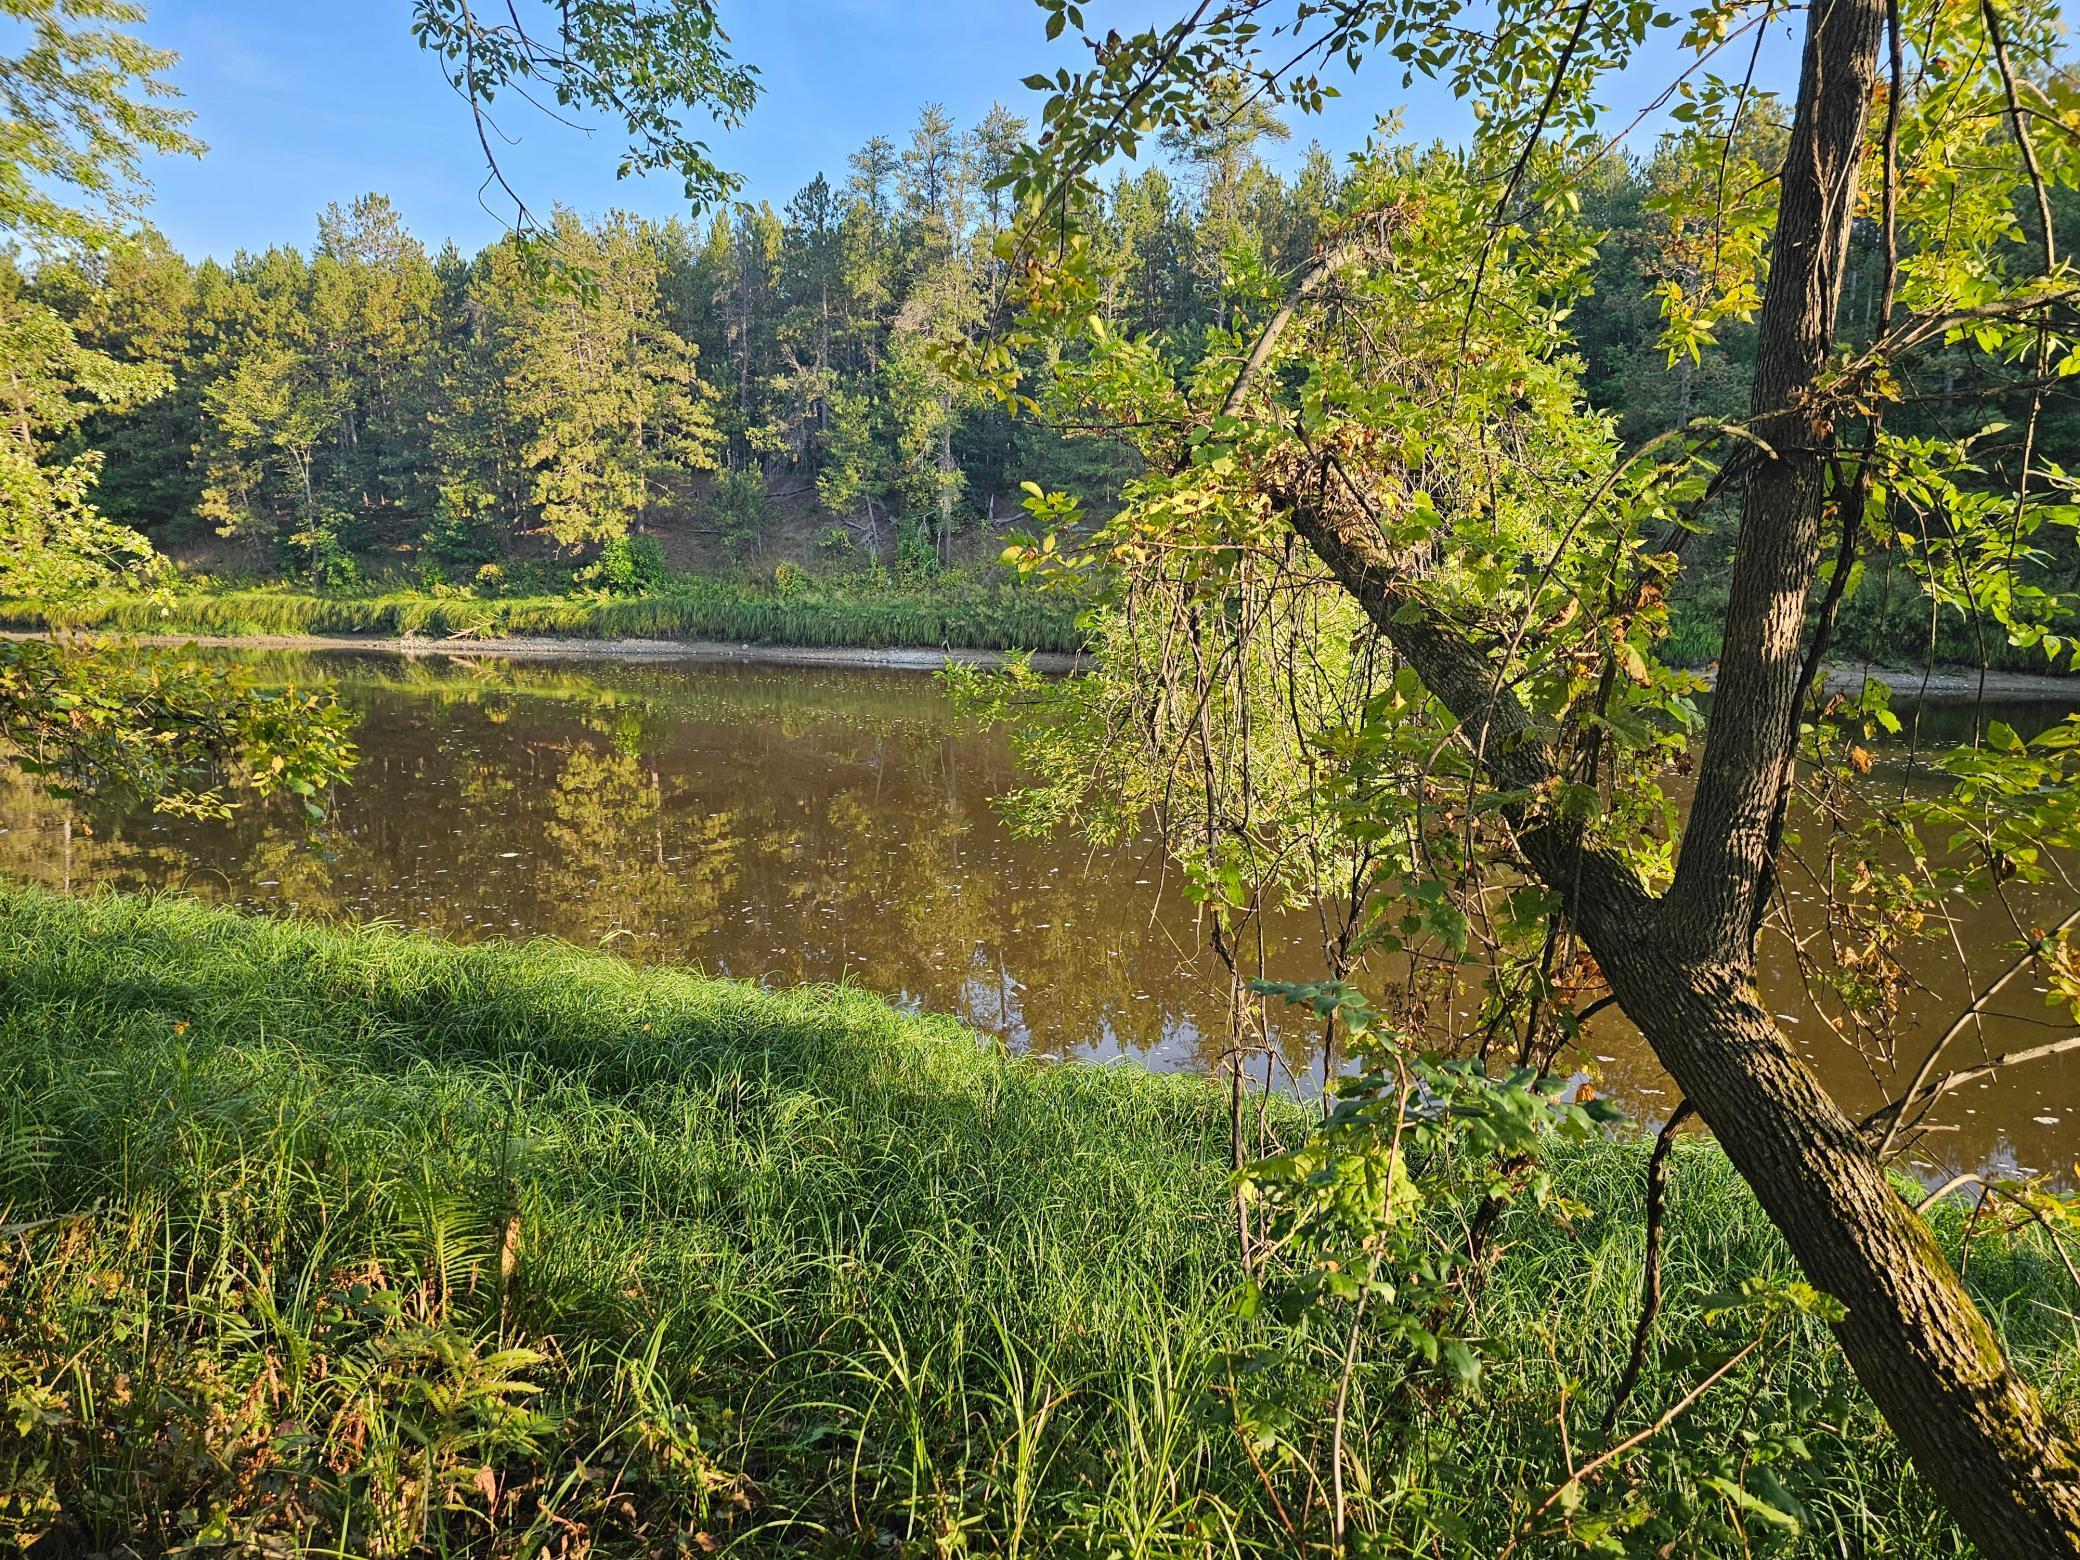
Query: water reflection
[789,824]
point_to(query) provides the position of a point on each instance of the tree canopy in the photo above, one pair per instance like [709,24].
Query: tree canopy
[1389,448]
[79,107]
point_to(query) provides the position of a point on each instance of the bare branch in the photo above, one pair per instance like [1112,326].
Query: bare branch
[1650,1275]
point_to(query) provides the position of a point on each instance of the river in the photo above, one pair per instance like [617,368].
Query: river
[789,824]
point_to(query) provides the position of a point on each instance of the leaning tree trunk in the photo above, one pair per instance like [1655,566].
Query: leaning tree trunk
[2005,1468]
[1682,966]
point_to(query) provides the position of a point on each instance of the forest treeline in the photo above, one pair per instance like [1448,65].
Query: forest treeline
[368,396]
[368,403]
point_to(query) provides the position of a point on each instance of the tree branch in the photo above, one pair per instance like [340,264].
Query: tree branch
[1650,1276]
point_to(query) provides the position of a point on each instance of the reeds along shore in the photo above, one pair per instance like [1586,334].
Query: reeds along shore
[959,614]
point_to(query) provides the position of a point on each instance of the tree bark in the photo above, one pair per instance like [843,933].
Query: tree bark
[2005,1468]
[1682,966]
[1977,1432]
[1726,845]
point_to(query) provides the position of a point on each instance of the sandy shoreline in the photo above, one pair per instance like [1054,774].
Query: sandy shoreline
[543,647]
[1954,684]
[1947,684]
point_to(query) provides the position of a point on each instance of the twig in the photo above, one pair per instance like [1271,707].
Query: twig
[1957,1027]
[1965,1075]
[1650,1278]
[1669,1416]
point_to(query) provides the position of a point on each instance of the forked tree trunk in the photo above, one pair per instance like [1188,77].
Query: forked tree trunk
[2003,1466]
[1682,966]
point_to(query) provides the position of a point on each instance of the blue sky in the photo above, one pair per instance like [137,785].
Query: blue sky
[303,103]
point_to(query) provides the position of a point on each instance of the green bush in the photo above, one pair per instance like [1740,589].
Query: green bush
[916,556]
[627,566]
[738,505]
[320,557]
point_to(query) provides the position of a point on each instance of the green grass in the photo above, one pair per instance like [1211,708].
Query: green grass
[353,1241]
[958,612]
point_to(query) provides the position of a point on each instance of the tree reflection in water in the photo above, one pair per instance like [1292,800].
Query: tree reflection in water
[782,825]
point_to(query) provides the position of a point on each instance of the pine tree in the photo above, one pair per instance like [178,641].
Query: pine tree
[596,396]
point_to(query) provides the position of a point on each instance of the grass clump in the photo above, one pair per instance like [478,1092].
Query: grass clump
[954,611]
[358,1241]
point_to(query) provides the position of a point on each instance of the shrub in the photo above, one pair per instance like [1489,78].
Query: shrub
[915,554]
[461,533]
[322,558]
[738,506]
[628,566]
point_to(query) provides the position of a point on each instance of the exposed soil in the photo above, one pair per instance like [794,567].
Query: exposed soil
[1951,684]
[794,531]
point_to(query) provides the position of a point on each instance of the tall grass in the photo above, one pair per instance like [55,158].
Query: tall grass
[959,613]
[355,1241]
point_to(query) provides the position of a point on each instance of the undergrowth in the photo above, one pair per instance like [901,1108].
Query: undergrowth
[358,1242]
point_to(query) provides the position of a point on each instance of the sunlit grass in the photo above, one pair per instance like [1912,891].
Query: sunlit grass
[360,1241]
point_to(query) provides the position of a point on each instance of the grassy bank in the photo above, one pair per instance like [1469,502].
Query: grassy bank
[958,612]
[357,1241]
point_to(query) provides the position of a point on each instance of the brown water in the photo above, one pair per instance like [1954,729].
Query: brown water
[786,824]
